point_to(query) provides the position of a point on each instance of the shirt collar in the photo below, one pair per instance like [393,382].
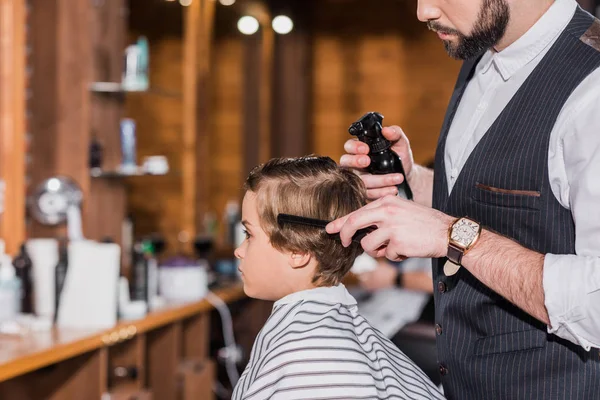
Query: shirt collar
[532,43]
[332,294]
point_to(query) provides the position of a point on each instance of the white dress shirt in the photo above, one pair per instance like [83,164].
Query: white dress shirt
[571,282]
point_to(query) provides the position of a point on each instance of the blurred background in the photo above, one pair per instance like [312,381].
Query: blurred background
[218,101]
[127,128]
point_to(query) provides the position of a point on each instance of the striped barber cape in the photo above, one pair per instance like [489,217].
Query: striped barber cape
[315,345]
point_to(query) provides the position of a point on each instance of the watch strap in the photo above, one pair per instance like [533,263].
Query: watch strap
[455,254]
[399,279]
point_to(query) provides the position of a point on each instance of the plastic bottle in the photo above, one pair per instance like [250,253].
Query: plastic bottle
[60,275]
[383,159]
[10,288]
[140,274]
[24,267]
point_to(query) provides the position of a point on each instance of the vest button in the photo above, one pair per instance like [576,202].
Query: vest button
[443,370]
[438,329]
[442,287]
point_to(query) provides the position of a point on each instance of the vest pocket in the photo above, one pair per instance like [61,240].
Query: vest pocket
[510,198]
[510,342]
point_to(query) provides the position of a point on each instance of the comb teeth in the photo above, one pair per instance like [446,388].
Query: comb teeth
[283,219]
[297,220]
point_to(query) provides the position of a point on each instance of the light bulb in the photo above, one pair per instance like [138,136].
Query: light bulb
[185,3]
[248,25]
[227,2]
[282,24]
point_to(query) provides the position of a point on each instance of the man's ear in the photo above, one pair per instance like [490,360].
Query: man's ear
[299,260]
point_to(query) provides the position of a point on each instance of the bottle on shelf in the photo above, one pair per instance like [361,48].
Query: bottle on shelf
[60,274]
[23,268]
[96,154]
[139,287]
[10,287]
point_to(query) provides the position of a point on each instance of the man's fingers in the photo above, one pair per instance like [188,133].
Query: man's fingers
[337,225]
[382,181]
[375,194]
[376,240]
[371,214]
[355,161]
[392,133]
[354,146]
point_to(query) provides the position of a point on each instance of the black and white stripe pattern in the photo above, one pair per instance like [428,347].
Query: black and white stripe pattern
[316,346]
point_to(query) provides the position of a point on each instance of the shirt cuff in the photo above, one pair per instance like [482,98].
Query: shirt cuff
[568,290]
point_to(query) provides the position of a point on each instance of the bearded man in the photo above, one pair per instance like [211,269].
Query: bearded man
[510,213]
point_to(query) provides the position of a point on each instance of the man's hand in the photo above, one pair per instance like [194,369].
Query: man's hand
[382,277]
[379,185]
[404,229]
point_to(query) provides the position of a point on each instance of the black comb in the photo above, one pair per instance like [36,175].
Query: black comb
[319,223]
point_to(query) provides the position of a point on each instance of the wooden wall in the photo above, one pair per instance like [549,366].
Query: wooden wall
[13,20]
[383,60]
[155,202]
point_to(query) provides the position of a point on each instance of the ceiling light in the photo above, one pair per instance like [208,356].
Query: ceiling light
[282,24]
[248,25]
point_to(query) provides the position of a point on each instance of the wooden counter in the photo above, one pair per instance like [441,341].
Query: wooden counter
[187,324]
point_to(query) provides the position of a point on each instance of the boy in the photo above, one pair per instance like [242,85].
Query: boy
[314,345]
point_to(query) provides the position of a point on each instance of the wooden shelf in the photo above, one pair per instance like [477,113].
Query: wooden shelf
[21,355]
[114,174]
[117,88]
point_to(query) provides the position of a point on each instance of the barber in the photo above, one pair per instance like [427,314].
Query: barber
[511,211]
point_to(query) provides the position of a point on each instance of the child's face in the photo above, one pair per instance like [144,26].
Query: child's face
[266,272]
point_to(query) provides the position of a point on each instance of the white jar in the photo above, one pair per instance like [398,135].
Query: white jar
[183,283]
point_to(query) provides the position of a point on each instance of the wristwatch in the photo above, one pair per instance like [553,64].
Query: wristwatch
[462,236]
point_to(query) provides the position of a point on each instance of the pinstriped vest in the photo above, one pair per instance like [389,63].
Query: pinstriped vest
[488,348]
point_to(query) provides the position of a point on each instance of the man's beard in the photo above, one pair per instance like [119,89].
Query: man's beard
[487,32]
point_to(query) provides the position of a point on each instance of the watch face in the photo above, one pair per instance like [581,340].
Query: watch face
[464,231]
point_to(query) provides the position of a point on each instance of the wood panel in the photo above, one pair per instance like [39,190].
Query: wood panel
[164,355]
[155,203]
[382,61]
[78,378]
[192,46]
[60,106]
[258,86]
[38,350]
[128,354]
[202,176]
[292,82]
[337,64]
[226,125]
[12,122]
[196,337]
[106,204]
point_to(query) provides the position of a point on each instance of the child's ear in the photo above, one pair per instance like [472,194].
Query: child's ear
[299,260]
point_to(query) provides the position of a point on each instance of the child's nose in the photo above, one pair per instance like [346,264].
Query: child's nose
[238,253]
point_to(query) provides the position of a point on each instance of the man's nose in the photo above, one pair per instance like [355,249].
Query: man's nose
[427,11]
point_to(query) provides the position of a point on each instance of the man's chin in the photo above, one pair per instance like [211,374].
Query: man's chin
[454,51]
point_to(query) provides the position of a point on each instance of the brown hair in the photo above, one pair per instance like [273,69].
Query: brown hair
[313,187]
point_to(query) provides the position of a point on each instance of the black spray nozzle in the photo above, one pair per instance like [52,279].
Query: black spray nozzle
[368,130]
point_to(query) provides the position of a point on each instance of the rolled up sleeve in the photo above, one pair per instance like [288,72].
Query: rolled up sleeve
[572,298]
[572,282]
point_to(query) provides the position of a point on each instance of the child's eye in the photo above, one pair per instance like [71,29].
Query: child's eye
[247,234]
